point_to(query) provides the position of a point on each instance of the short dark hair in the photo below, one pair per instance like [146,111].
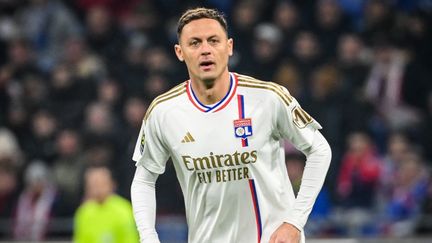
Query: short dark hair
[201,13]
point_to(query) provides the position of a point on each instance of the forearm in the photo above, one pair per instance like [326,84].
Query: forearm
[143,197]
[317,164]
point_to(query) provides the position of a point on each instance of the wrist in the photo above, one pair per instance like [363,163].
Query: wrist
[294,225]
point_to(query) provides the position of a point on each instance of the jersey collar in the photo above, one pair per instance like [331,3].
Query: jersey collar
[219,105]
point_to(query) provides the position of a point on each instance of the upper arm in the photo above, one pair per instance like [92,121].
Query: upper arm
[294,123]
[150,149]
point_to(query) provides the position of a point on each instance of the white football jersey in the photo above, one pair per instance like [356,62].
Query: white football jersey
[228,157]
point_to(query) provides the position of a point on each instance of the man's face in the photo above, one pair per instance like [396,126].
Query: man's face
[205,48]
[99,184]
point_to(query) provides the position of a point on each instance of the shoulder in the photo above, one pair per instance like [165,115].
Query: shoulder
[166,98]
[86,209]
[120,205]
[264,88]
[119,200]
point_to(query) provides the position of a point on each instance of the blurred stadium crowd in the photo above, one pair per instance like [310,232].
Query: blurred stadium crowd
[77,76]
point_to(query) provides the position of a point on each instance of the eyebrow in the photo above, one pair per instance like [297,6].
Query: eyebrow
[197,38]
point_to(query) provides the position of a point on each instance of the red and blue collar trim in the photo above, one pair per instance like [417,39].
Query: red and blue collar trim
[219,105]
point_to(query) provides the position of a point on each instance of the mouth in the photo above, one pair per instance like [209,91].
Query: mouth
[206,65]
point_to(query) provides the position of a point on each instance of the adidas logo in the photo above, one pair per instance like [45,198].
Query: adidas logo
[188,138]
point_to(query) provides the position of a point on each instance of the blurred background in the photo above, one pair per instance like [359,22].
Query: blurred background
[76,77]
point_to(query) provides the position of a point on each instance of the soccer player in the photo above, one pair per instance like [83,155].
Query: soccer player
[223,132]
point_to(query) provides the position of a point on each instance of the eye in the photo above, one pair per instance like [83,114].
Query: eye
[194,43]
[213,41]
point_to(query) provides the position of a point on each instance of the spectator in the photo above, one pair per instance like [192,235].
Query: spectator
[17,120]
[352,63]
[244,17]
[34,91]
[325,93]
[110,94]
[100,133]
[414,33]
[158,61]
[131,71]
[154,84]
[306,57]
[413,36]
[358,183]
[359,173]
[378,20]
[146,18]
[8,26]
[398,147]
[41,142]
[9,182]
[287,19]
[265,51]
[100,121]
[409,190]
[288,76]
[68,169]
[35,205]
[10,163]
[68,92]
[384,86]
[133,112]
[103,35]
[329,24]
[19,66]
[20,63]
[103,216]
[84,64]
[9,147]
[47,24]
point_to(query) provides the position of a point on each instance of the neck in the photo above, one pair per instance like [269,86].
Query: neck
[211,91]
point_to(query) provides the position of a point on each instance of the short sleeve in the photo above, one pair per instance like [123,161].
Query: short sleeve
[294,123]
[150,151]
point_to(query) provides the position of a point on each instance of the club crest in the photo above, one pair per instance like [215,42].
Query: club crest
[243,128]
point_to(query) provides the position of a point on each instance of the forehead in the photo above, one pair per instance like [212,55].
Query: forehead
[202,28]
[98,174]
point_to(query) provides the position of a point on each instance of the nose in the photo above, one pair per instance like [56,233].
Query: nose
[205,48]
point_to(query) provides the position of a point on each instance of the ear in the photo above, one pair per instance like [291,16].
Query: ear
[178,52]
[230,46]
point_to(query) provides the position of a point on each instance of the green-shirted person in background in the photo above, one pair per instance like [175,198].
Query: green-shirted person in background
[104,217]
